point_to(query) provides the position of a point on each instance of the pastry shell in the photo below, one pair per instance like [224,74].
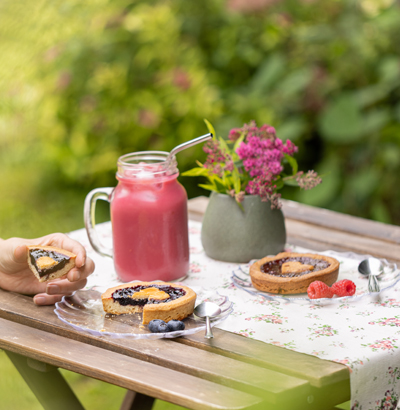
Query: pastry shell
[177,309]
[292,285]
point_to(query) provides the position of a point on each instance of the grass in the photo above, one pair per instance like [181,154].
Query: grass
[93,394]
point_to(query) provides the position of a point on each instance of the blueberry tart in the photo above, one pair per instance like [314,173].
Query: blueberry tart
[48,262]
[290,272]
[157,300]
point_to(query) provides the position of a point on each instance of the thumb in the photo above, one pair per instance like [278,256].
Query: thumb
[21,254]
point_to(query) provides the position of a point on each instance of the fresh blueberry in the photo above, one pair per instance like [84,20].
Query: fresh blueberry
[174,325]
[158,326]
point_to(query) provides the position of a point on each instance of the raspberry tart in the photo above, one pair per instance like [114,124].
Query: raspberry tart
[49,262]
[157,300]
[291,273]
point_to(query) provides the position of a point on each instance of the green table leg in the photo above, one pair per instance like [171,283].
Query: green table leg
[46,383]
[136,401]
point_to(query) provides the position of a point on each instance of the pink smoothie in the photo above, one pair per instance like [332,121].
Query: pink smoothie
[150,229]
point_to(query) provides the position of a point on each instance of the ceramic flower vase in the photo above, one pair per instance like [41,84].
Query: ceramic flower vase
[231,235]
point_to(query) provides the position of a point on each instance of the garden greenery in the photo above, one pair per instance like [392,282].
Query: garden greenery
[85,82]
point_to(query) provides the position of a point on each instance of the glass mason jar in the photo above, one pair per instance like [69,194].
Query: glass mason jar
[148,216]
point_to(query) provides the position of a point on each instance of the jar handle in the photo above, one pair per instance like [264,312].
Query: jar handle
[89,217]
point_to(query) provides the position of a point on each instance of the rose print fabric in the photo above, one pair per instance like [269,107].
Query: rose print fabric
[363,334]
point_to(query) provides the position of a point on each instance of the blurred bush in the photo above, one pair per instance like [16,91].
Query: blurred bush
[87,82]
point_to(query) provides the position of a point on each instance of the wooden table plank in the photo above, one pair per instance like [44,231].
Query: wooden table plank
[133,374]
[192,359]
[338,221]
[318,372]
[321,238]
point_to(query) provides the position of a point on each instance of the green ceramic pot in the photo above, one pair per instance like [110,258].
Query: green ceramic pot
[231,235]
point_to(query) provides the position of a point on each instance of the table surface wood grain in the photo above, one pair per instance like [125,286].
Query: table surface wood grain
[227,372]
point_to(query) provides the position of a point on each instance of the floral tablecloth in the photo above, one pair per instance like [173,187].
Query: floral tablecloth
[363,335]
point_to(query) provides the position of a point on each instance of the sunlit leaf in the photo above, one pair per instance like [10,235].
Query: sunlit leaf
[238,142]
[208,187]
[210,128]
[195,172]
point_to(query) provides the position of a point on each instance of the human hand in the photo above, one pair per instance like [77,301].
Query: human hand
[16,276]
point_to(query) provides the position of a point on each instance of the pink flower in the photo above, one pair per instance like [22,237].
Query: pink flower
[217,160]
[309,180]
[234,134]
[256,167]
[262,154]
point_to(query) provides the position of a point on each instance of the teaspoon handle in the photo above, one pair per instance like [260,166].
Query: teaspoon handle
[373,285]
[209,334]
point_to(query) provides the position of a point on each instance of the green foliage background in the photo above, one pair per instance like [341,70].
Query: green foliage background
[82,83]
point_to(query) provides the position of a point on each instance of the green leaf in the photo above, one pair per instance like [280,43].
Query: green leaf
[240,205]
[238,142]
[342,122]
[295,82]
[371,94]
[292,128]
[209,187]
[293,163]
[220,185]
[326,193]
[236,181]
[375,120]
[210,128]
[268,73]
[224,145]
[196,172]
[389,69]
[279,184]
[227,181]
[290,182]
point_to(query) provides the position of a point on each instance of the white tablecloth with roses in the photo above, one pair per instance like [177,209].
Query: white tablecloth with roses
[363,335]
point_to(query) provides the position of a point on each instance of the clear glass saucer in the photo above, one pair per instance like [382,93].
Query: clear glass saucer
[84,311]
[348,269]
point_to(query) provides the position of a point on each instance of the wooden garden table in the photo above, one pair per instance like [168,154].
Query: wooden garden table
[227,372]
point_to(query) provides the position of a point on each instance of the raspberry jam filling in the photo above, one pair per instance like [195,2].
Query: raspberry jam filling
[275,267]
[61,260]
[124,296]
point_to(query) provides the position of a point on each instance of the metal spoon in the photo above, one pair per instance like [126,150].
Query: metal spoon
[190,143]
[207,310]
[371,267]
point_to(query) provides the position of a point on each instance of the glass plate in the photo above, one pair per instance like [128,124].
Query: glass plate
[84,311]
[348,269]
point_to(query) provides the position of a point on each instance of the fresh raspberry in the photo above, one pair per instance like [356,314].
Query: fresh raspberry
[318,289]
[344,287]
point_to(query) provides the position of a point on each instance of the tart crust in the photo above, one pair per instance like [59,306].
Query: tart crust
[177,309]
[45,268]
[291,285]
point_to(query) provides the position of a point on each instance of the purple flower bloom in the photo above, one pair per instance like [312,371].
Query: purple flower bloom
[257,166]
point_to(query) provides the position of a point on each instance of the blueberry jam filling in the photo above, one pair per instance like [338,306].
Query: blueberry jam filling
[61,260]
[275,267]
[123,296]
